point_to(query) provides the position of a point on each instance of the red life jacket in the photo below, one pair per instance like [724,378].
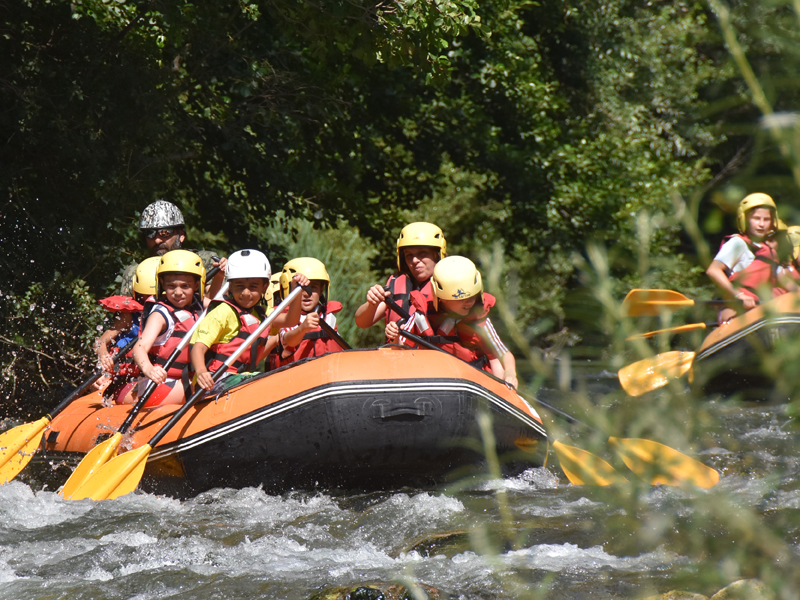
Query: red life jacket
[315,342]
[400,289]
[182,320]
[219,353]
[762,271]
[465,341]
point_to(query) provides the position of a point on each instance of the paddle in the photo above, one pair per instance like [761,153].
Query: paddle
[18,445]
[104,451]
[652,373]
[650,303]
[582,465]
[332,333]
[677,329]
[663,465]
[122,474]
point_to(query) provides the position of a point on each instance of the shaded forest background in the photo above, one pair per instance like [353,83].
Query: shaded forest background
[319,128]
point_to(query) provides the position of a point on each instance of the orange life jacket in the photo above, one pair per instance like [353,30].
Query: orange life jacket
[315,342]
[218,353]
[465,341]
[181,320]
[762,271]
[401,290]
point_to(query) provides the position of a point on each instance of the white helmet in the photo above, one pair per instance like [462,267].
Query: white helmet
[161,214]
[244,264]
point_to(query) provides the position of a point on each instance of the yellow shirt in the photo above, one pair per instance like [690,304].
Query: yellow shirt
[220,326]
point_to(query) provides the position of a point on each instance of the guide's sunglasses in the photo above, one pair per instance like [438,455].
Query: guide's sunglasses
[162,233]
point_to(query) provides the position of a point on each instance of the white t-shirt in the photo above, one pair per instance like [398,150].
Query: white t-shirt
[735,254]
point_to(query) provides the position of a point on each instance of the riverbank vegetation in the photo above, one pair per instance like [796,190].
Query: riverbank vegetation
[574,149]
[538,127]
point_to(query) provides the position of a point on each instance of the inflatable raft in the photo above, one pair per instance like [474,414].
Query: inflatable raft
[360,419]
[744,355]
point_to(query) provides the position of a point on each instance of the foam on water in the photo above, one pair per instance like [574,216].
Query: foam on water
[21,508]
[7,574]
[563,507]
[531,479]
[771,432]
[134,540]
[425,505]
[549,557]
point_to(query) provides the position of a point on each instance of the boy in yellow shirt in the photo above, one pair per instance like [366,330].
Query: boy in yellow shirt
[233,319]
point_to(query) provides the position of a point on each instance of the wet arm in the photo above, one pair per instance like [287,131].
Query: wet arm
[510,369]
[155,326]
[101,346]
[293,337]
[292,316]
[373,309]
[717,272]
[198,359]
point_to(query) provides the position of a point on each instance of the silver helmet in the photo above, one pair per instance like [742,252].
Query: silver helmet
[161,214]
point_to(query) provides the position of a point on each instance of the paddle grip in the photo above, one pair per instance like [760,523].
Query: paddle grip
[224,368]
[412,336]
[394,306]
[331,332]
[213,270]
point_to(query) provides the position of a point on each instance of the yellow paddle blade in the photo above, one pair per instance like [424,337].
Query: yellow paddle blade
[652,373]
[650,303]
[582,467]
[117,477]
[662,464]
[17,447]
[94,459]
[679,329]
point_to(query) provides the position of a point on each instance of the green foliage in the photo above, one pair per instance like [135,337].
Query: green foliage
[538,126]
[51,331]
[347,258]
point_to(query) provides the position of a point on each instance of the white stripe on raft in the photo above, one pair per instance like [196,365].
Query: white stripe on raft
[270,411]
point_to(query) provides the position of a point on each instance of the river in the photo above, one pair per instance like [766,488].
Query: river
[533,535]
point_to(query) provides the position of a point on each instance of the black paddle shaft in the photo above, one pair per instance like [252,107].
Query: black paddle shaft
[97,374]
[332,333]
[422,341]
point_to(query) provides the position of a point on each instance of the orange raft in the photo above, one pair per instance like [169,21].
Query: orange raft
[743,356]
[360,419]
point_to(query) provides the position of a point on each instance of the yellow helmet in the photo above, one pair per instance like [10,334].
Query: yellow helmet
[181,261]
[310,267]
[793,233]
[456,278]
[420,234]
[274,288]
[751,201]
[145,280]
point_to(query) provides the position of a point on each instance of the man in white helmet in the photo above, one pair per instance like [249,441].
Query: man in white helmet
[163,228]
